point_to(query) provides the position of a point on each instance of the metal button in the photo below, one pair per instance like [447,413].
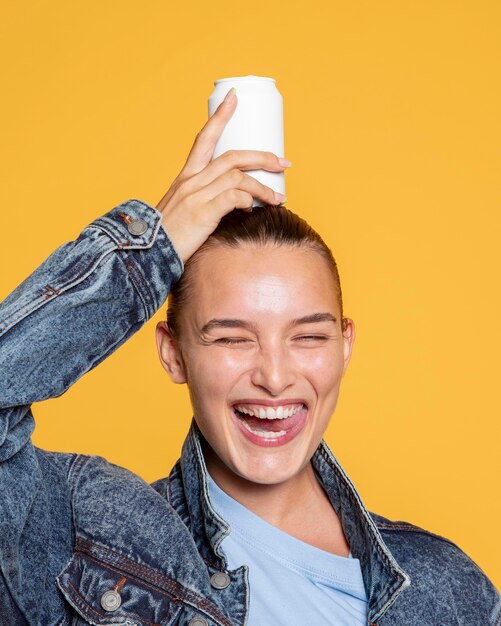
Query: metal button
[137,227]
[111,600]
[220,580]
[198,621]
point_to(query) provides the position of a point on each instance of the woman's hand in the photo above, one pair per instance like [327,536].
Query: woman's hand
[206,190]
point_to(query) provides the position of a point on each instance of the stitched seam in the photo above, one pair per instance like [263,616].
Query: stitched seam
[75,471]
[111,231]
[115,568]
[133,265]
[134,279]
[51,292]
[140,288]
[176,475]
[409,527]
[18,314]
[32,304]
[395,587]
[215,520]
[161,581]
[415,529]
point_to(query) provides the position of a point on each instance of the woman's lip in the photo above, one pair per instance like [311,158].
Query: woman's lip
[271,403]
[267,442]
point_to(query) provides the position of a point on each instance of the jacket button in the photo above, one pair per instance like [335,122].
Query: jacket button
[137,227]
[220,580]
[198,621]
[111,600]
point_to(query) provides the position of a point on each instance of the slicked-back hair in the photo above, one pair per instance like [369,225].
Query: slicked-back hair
[265,226]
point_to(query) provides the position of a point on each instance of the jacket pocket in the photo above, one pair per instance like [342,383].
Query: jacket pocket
[103,595]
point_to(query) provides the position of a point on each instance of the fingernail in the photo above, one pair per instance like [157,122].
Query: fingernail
[285,162]
[230,95]
[279,197]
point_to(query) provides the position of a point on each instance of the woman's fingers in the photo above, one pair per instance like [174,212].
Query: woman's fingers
[205,142]
[236,159]
[238,180]
[228,200]
[230,161]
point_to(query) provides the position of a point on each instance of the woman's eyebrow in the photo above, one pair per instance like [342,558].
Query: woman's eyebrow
[314,318]
[225,323]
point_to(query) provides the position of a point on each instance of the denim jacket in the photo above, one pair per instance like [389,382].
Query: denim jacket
[83,541]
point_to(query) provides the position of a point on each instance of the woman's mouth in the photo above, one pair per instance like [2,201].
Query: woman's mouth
[267,425]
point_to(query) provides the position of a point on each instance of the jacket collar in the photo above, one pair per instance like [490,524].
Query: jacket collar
[384,579]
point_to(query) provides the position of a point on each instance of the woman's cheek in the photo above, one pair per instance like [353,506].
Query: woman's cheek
[219,370]
[324,366]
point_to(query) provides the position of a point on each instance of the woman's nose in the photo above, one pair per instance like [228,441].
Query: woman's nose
[273,371]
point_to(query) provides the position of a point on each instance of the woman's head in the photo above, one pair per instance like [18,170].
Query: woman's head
[255,328]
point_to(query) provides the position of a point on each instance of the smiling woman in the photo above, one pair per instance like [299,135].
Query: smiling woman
[257,523]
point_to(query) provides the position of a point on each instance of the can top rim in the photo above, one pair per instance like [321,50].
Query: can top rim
[250,77]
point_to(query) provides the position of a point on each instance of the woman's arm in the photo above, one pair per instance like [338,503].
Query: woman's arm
[82,303]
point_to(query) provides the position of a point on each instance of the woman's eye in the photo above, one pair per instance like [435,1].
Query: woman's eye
[231,340]
[311,338]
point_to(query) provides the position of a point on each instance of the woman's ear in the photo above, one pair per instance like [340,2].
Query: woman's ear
[169,354]
[348,328]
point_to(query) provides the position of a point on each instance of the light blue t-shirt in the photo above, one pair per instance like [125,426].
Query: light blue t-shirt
[290,581]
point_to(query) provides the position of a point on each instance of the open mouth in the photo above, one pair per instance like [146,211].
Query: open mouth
[270,426]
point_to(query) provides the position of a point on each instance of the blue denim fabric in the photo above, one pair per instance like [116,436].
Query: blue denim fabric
[73,527]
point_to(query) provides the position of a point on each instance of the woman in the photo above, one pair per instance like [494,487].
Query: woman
[257,523]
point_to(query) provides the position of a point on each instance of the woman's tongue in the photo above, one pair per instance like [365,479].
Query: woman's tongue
[270,425]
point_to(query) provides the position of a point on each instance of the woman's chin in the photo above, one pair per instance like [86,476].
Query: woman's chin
[267,471]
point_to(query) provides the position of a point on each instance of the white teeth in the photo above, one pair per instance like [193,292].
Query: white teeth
[280,412]
[265,433]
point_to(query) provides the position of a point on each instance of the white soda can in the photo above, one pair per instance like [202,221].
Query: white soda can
[256,124]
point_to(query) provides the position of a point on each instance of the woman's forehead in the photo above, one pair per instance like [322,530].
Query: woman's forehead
[264,278]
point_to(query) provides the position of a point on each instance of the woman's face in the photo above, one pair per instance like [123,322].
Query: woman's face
[262,349]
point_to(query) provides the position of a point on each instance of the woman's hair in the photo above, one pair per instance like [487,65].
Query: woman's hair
[264,226]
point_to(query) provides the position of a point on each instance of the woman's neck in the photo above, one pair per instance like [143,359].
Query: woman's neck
[299,506]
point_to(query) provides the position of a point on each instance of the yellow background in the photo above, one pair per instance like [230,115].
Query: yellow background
[392,123]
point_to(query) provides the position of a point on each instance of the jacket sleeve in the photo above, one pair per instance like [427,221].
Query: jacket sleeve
[74,310]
